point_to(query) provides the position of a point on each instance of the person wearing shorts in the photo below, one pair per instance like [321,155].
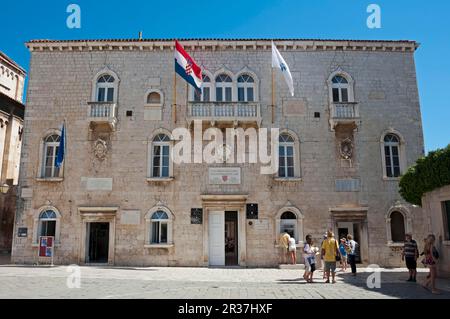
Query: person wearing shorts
[409,255]
[310,259]
[330,249]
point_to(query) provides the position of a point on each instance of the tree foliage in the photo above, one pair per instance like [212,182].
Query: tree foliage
[429,173]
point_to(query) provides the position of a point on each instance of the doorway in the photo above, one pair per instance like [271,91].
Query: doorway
[98,242]
[231,238]
[354,229]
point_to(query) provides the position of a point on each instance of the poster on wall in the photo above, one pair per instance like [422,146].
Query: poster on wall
[46,246]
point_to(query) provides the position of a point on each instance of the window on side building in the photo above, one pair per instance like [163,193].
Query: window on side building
[397,227]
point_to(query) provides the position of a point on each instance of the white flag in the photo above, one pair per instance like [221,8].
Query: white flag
[278,62]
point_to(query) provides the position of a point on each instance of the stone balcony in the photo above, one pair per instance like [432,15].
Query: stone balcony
[225,112]
[344,114]
[102,114]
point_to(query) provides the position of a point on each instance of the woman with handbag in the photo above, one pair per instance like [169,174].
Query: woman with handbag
[430,260]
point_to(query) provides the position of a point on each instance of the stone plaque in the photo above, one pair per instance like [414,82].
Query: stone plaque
[130,217]
[224,175]
[294,108]
[27,193]
[99,184]
[261,224]
[152,113]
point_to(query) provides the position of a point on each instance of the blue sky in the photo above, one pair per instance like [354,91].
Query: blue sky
[425,22]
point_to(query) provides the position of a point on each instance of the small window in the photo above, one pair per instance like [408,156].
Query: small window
[159,228]
[397,227]
[154,98]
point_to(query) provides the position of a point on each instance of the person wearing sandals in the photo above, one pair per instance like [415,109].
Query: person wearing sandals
[409,255]
[330,250]
[343,250]
[310,259]
[431,259]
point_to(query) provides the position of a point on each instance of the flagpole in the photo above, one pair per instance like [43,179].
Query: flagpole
[273,96]
[174,107]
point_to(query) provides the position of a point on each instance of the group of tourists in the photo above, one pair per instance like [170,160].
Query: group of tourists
[330,252]
[344,250]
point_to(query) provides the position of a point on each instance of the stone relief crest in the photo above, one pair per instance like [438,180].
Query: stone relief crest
[100,149]
[346,149]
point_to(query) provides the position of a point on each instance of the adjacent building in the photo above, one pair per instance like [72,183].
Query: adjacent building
[352,128]
[12,78]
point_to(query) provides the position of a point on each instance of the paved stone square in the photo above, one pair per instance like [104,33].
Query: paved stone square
[210,283]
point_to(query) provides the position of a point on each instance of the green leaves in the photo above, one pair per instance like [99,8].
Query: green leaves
[429,172]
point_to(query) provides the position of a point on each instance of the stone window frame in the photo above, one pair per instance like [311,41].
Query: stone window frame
[350,87]
[209,85]
[223,86]
[407,218]
[299,230]
[37,224]
[42,146]
[150,143]
[247,71]
[105,71]
[297,163]
[148,227]
[402,154]
[161,98]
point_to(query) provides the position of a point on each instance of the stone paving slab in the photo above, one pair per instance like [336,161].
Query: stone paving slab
[210,283]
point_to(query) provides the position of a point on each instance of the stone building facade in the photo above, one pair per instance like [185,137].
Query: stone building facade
[436,207]
[12,78]
[352,127]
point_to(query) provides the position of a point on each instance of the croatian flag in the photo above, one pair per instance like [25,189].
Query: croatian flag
[186,67]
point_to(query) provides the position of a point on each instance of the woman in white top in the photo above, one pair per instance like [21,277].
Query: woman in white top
[293,250]
[309,253]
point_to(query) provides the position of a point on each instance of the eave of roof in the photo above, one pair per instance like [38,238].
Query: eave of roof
[12,63]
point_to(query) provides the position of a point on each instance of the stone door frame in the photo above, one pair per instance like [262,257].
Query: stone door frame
[225,203]
[102,215]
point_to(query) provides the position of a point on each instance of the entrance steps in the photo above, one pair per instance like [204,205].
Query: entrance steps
[291,266]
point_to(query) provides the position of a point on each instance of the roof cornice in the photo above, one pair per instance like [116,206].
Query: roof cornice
[221,44]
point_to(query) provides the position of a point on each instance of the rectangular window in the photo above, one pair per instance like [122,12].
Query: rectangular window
[336,95]
[110,97]
[206,95]
[446,219]
[228,94]
[250,97]
[101,95]
[48,228]
[163,233]
[155,233]
[159,232]
[344,93]
[197,97]
[387,156]
[241,97]
[160,161]
[219,97]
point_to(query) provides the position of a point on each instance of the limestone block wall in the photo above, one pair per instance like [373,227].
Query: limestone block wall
[60,86]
